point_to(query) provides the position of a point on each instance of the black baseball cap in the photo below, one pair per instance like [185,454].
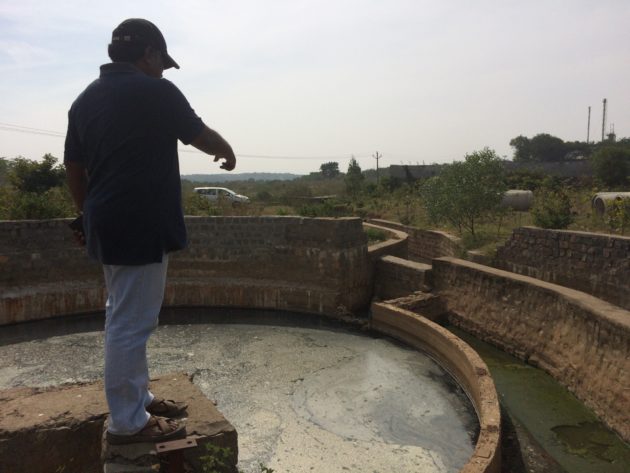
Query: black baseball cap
[143,32]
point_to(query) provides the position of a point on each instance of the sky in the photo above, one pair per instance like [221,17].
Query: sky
[292,84]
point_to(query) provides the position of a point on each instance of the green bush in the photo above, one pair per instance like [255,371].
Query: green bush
[196,204]
[612,166]
[552,208]
[375,235]
[618,216]
[326,208]
[54,203]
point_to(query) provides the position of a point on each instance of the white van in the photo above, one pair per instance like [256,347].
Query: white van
[217,194]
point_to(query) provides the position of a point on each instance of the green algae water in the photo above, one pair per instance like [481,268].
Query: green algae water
[562,425]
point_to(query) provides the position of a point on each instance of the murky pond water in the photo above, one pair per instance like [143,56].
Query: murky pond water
[565,428]
[304,395]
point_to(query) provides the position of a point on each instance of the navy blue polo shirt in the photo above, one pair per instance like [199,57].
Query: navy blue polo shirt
[124,129]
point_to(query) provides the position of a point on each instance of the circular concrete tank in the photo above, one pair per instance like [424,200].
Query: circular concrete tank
[304,394]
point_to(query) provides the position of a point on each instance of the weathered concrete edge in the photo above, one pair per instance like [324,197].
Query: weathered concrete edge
[406,263]
[463,363]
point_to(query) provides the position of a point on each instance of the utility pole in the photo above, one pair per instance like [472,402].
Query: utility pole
[588,128]
[377,156]
[604,121]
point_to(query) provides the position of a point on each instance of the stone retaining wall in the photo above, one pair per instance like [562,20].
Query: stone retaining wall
[291,263]
[582,341]
[396,277]
[424,245]
[590,262]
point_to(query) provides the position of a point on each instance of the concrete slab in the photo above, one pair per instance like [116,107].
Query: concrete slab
[60,428]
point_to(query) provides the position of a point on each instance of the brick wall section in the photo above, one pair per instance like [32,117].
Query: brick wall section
[424,245]
[594,263]
[36,251]
[396,277]
[313,265]
[582,341]
[323,252]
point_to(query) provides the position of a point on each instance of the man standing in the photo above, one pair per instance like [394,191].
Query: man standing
[123,172]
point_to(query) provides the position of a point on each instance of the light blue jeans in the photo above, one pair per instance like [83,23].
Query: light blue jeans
[134,299]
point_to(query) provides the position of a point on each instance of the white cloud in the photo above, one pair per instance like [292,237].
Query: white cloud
[20,54]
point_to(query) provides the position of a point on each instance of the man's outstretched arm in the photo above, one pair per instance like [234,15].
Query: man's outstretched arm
[210,142]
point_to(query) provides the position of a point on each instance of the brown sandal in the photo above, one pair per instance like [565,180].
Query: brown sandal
[158,429]
[166,407]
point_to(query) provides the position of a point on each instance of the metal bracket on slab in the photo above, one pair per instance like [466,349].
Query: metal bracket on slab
[173,452]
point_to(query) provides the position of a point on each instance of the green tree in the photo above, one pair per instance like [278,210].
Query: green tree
[329,170]
[522,149]
[354,178]
[33,176]
[4,171]
[547,148]
[466,191]
[542,147]
[612,165]
[36,190]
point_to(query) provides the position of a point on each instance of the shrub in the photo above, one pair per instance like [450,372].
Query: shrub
[54,203]
[375,235]
[612,166]
[618,215]
[196,204]
[552,208]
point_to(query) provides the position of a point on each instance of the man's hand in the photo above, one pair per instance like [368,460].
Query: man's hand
[230,161]
[77,229]
[79,238]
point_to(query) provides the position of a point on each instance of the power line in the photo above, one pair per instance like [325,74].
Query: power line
[57,134]
[33,131]
[263,156]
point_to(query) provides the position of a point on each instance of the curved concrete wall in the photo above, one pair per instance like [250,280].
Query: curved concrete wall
[311,265]
[582,341]
[464,365]
[396,245]
[291,263]
[424,245]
